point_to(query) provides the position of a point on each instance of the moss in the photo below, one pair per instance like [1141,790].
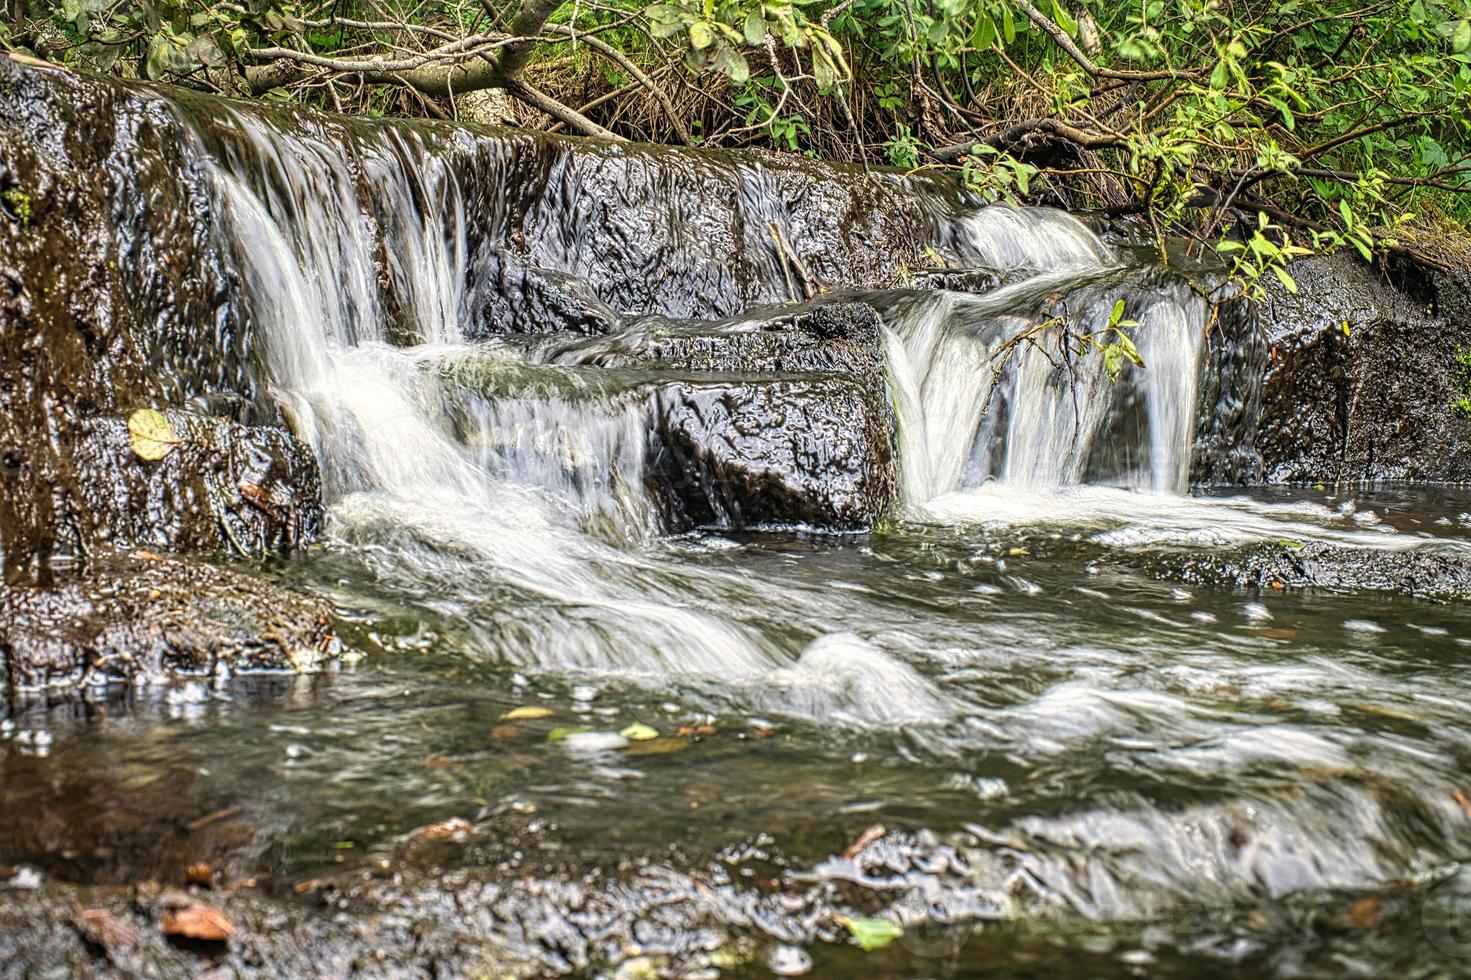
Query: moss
[1462,405]
[18,202]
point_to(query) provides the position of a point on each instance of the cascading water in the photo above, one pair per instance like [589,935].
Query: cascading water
[987,390]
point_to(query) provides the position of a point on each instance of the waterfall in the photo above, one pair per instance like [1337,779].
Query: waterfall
[985,390]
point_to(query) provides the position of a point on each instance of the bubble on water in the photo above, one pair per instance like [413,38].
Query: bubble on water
[1363,626]
[788,961]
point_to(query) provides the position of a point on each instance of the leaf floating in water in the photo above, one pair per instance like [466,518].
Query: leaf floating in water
[150,434]
[564,731]
[639,732]
[527,713]
[871,934]
[198,921]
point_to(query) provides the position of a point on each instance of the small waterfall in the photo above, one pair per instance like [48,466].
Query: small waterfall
[987,391]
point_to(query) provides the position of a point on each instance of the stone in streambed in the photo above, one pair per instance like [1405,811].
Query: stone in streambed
[137,614]
[1423,574]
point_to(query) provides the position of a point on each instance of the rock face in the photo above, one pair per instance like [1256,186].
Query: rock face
[1351,379]
[114,294]
[136,613]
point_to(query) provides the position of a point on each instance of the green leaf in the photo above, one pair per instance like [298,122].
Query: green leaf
[1116,314]
[639,732]
[871,934]
[1287,280]
[1063,18]
[563,731]
[701,35]
[150,434]
[755,28]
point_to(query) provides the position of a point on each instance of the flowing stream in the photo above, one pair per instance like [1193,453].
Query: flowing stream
[1140,775]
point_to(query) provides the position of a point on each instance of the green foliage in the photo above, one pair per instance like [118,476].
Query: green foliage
[1462,405]
[1339,120]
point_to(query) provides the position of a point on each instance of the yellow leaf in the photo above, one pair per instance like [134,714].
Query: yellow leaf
[526,713]
[639,732]
[151,435]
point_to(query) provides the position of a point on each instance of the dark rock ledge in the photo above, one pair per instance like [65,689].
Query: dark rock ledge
[141,615]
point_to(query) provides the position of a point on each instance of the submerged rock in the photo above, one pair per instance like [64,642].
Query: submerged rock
[1323,566]
[139,615]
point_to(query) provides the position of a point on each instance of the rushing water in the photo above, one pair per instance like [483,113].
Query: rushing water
[1133,775]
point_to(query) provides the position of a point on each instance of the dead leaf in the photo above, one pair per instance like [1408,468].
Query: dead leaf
[200,873]
[526,713]
[104,930]
[1462,800]
[864,839]
[198,921]
[1365,913]
[691,731]
[454,829]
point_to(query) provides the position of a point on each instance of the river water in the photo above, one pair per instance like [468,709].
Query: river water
[1081,764]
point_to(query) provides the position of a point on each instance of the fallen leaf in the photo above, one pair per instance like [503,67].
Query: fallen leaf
[639,732]
[871,934]
[658,746]
[1462,800]
[527,713]
[504,731]
[864,839]
[103,929]
[200,873]
[1365,913]
[198,921]
[563,731]
[455,829]
[150,434]
[691,731]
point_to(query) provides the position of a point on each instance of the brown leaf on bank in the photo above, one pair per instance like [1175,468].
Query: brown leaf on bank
[256,496]
[102,929]
[200,873]
[864,839]
[198,921]
[1462,800]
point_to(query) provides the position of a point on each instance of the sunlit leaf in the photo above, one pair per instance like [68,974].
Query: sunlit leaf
[872,934]
[150,434]
[527,712]
[639,732]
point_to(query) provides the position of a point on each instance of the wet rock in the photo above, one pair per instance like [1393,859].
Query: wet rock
[815,451]
[1324,566]
[776,421]
[225,486]
[137,614]
[1358,379]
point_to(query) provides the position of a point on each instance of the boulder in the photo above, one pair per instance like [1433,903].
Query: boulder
[1355,377]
